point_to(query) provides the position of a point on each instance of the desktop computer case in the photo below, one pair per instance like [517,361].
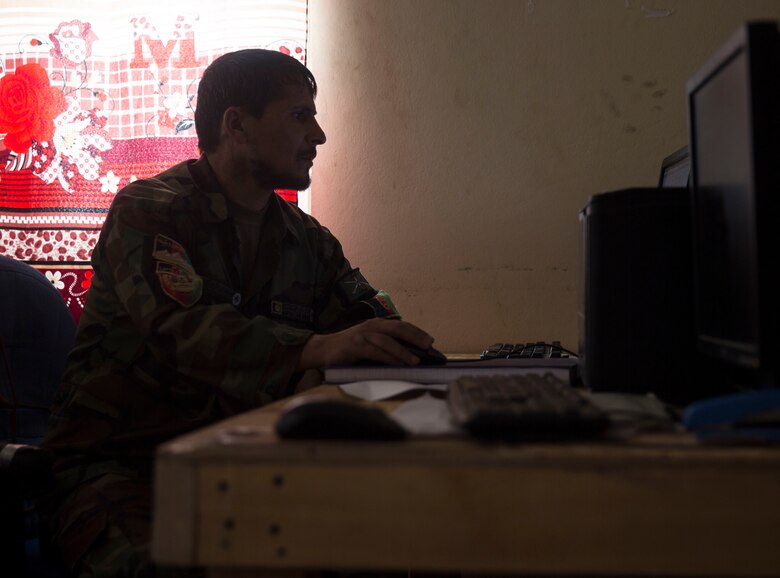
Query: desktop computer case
[636,309]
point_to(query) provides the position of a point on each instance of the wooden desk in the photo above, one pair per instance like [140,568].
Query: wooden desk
[233,498]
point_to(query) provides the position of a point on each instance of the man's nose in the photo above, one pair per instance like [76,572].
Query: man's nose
[318,135]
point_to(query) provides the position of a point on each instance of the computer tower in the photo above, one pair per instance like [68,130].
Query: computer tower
[636,309]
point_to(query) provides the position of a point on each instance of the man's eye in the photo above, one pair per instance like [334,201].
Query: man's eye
[299,115]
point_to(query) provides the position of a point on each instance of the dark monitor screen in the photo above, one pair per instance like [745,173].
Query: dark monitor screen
[724,210]
[729,147]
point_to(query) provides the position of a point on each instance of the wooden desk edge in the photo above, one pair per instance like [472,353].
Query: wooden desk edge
[179,465]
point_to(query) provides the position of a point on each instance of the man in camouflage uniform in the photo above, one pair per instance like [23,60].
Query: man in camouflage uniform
[211,295]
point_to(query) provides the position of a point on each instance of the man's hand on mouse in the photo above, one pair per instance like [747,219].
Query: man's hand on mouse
[375,340]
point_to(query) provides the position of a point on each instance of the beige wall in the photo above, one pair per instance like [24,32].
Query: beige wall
[465,135]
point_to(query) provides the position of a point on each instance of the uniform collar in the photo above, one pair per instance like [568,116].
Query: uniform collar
[216,206]
[213,204]
[288,216]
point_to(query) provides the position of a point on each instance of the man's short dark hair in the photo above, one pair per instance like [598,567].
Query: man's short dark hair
[249,79]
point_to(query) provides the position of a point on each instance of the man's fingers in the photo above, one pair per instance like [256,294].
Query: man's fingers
[402,331]
[378,340]
[386,349]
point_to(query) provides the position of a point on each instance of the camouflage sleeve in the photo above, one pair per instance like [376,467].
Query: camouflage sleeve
[252,360]
[346,297]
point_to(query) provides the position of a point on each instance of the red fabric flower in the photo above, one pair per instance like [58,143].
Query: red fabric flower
[28,106]
[85,284]
[164,119]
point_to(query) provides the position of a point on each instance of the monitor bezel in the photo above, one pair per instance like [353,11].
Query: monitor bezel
[760,42]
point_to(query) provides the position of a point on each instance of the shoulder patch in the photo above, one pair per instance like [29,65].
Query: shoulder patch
[177,276]
[180,284]
[169,251]
[354,287]
[383,306]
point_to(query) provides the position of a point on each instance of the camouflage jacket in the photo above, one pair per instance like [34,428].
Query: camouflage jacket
[167,343]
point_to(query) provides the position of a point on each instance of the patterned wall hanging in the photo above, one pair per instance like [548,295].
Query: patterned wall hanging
[95,94]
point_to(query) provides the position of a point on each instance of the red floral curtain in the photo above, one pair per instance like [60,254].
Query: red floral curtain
[94,95]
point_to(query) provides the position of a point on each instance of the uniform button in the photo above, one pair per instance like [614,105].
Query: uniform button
[236,299]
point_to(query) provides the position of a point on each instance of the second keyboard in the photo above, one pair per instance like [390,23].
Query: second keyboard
[524,406]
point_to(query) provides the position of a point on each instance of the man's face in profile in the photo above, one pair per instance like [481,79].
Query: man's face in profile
[283,141]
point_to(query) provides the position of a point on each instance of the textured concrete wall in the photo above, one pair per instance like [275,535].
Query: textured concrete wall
[466,135]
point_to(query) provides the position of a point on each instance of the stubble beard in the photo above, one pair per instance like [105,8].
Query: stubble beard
[267,178]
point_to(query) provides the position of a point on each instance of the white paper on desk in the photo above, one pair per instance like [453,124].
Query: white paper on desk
[630,413]
[425,415]
[385,389]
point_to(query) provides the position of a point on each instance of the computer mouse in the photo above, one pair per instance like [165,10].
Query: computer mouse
[431,356]
[318,417]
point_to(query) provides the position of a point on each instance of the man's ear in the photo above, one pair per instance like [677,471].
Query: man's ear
[233,124]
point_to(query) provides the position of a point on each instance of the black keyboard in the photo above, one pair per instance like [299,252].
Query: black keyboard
[538,350]
[527,406]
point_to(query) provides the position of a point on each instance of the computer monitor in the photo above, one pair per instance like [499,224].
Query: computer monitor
[734,142]
[675,169]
